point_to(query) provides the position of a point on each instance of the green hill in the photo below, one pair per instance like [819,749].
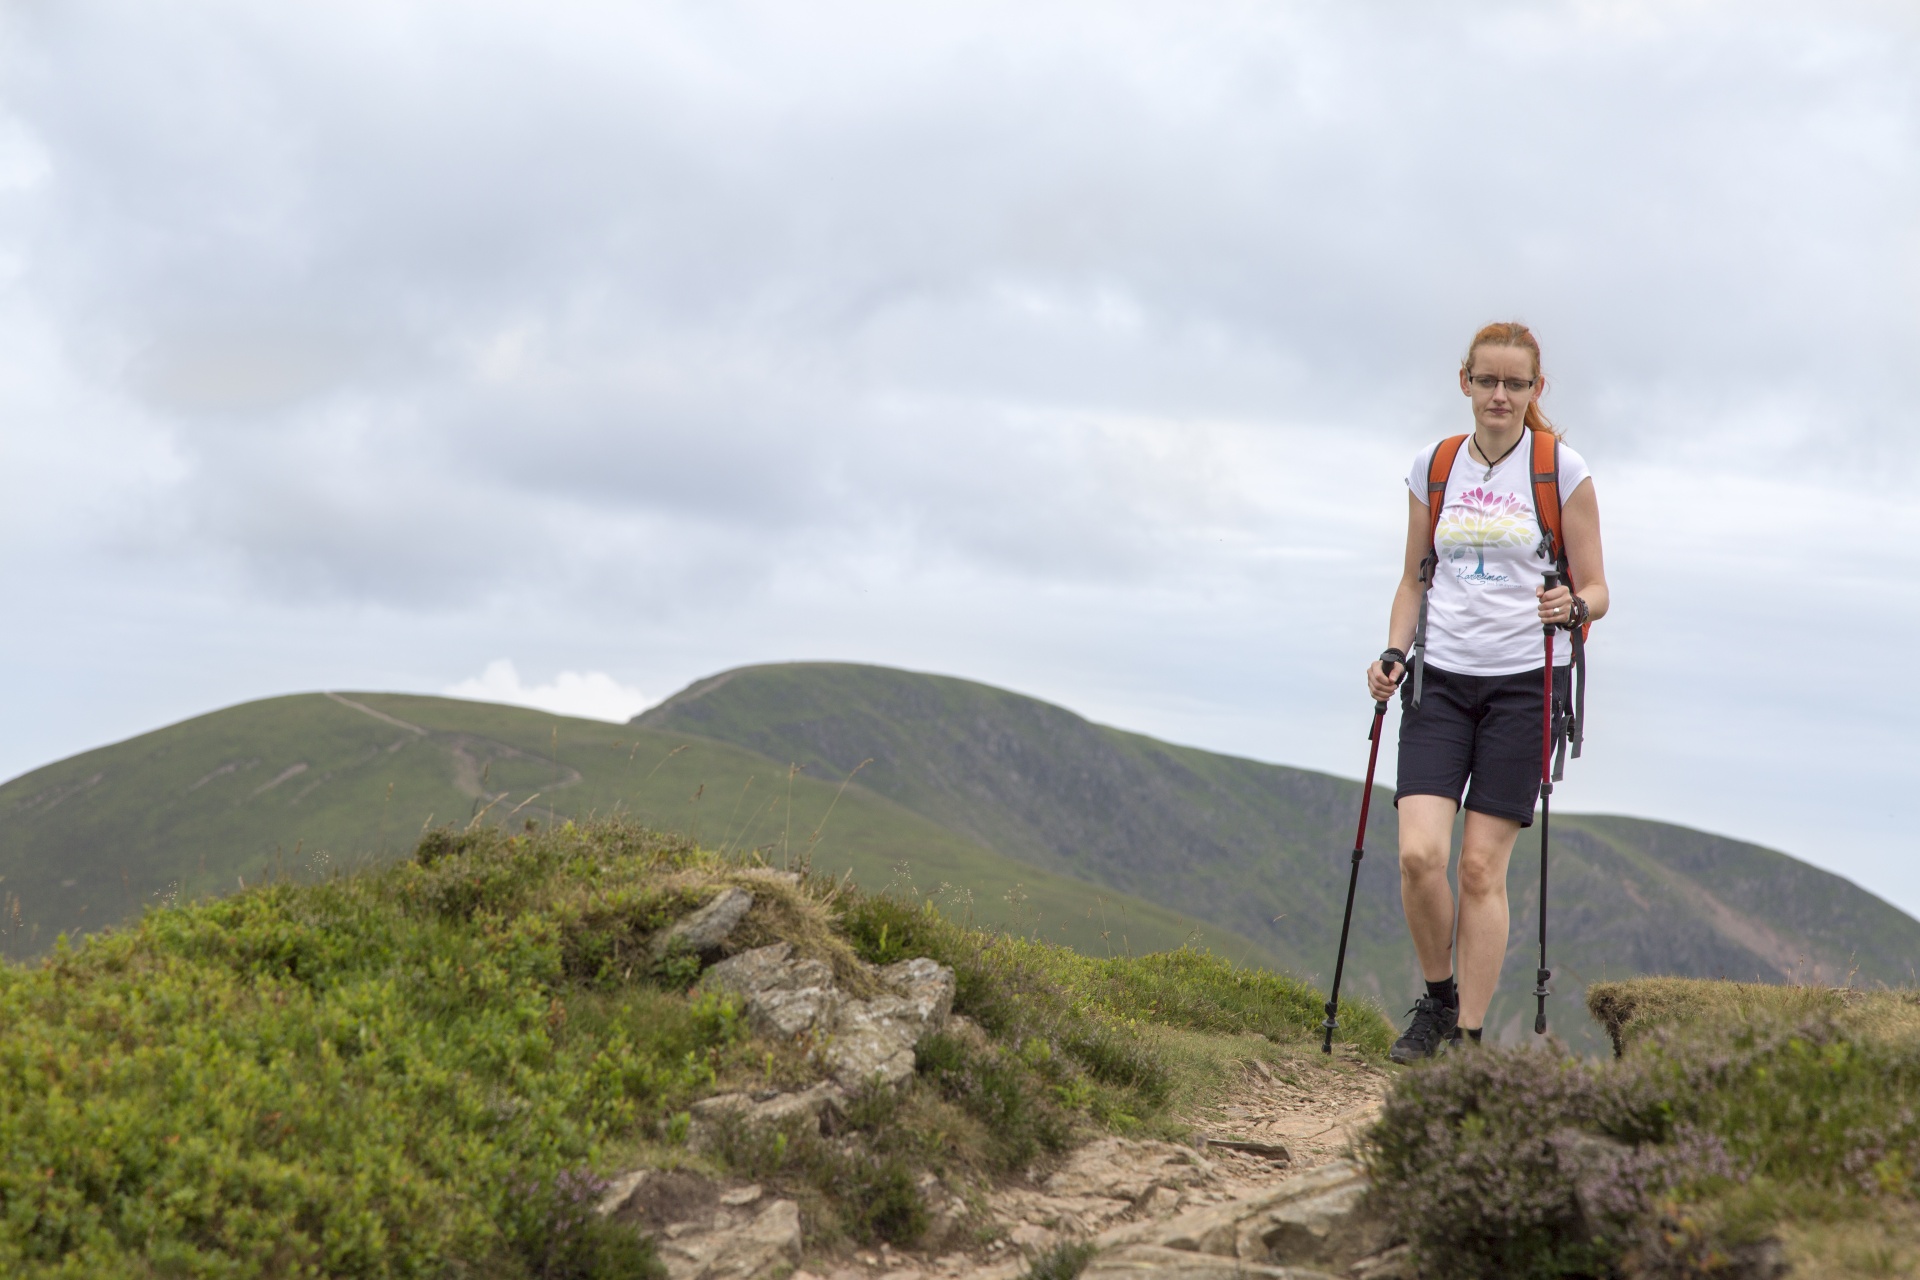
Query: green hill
[1006,809]
[1262,849]
[294,787]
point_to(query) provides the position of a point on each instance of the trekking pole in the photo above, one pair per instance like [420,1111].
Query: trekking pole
[1546,801]
[1392,657]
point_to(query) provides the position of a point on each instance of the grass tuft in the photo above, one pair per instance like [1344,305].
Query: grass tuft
[1063,1262]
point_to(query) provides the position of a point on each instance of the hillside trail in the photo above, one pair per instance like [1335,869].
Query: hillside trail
[1276,1121]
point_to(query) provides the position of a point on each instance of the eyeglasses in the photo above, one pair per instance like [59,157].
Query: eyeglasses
[1487,382]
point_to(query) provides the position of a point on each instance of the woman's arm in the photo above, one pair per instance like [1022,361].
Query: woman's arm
[1580,525]
[1405,615]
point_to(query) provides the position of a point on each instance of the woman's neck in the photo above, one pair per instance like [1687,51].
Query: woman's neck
[1494,445]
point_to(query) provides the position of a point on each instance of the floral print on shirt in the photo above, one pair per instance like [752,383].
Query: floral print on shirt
[1476,520]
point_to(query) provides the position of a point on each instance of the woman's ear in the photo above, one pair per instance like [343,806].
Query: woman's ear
[1465,389]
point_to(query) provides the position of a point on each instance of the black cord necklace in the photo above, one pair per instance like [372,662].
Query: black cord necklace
[1497,461]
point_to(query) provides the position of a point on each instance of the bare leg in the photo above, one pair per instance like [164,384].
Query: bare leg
[1485,850]
[1426,838]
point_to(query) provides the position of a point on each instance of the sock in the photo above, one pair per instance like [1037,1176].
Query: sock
[1445,992]
[1473,1034]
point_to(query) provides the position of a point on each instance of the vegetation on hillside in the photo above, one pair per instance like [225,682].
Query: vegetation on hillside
[437,1063]
[301,785]
[1742,1119]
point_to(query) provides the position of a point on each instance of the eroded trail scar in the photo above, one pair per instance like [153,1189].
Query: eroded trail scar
[1314,1112]
[1267,1160]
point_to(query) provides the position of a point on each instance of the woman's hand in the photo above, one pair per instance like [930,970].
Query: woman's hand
[1383,677]
[1556,606]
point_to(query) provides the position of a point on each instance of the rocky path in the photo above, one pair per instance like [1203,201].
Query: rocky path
[1312,1110]
[1262,1189]
[1275,1144]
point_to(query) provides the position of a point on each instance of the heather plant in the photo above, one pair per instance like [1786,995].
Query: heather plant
[1702,1142]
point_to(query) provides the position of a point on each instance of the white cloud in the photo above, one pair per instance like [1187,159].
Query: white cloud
[593,695]
[1078,347]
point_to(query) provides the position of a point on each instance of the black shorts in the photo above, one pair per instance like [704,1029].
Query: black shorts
[1478,730]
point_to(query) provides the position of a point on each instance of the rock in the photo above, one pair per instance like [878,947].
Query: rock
[703,932]
[763,1247]
[741,1196]
[870,1041]
[1031,1237]
[1321,1217]
[1265,1150]
[1395,1264]
[819,1104]
[658,1198]
[1161,1202]
[862,1040]
[620,1191]
[785,998]
[874,1039]
[927,986]
[1122,1169]
[1331,1229]
[1157,1262]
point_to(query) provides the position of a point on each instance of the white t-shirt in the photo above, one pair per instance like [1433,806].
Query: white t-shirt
[1482,616]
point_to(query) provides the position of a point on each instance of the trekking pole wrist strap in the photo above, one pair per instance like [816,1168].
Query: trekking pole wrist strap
[1391,657]
[1577,614]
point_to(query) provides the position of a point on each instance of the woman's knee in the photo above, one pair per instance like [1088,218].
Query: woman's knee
[1483,877]
[1420,859]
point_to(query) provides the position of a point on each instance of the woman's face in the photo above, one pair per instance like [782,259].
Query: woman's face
[1498,409]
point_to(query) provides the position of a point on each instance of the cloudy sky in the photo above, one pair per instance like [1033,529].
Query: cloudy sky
[568,352]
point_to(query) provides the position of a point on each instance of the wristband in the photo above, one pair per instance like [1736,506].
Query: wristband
[1577,614]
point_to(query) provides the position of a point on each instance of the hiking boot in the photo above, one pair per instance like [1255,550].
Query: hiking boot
[1432,1023]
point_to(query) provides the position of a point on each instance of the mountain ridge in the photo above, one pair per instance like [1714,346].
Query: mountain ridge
[1263,849]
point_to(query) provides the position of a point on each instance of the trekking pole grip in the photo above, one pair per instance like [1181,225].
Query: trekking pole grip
[1389,659]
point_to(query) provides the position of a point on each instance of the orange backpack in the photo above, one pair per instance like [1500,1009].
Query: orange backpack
[1545,473]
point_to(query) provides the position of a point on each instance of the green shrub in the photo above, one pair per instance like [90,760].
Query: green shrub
[376,1076]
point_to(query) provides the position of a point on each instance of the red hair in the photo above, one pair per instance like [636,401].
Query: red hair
[1514,334]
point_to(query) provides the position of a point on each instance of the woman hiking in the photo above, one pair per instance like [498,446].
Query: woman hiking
[1477,729]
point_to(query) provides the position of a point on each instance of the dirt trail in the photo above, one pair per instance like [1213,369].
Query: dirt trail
[1309,1108]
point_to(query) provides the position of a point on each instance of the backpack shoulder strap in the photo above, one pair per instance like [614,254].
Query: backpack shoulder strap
[1546,494]
[1438,469]
[1546,505]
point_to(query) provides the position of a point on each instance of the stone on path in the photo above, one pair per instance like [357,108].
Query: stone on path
[1156,1262]
[1321,1218]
